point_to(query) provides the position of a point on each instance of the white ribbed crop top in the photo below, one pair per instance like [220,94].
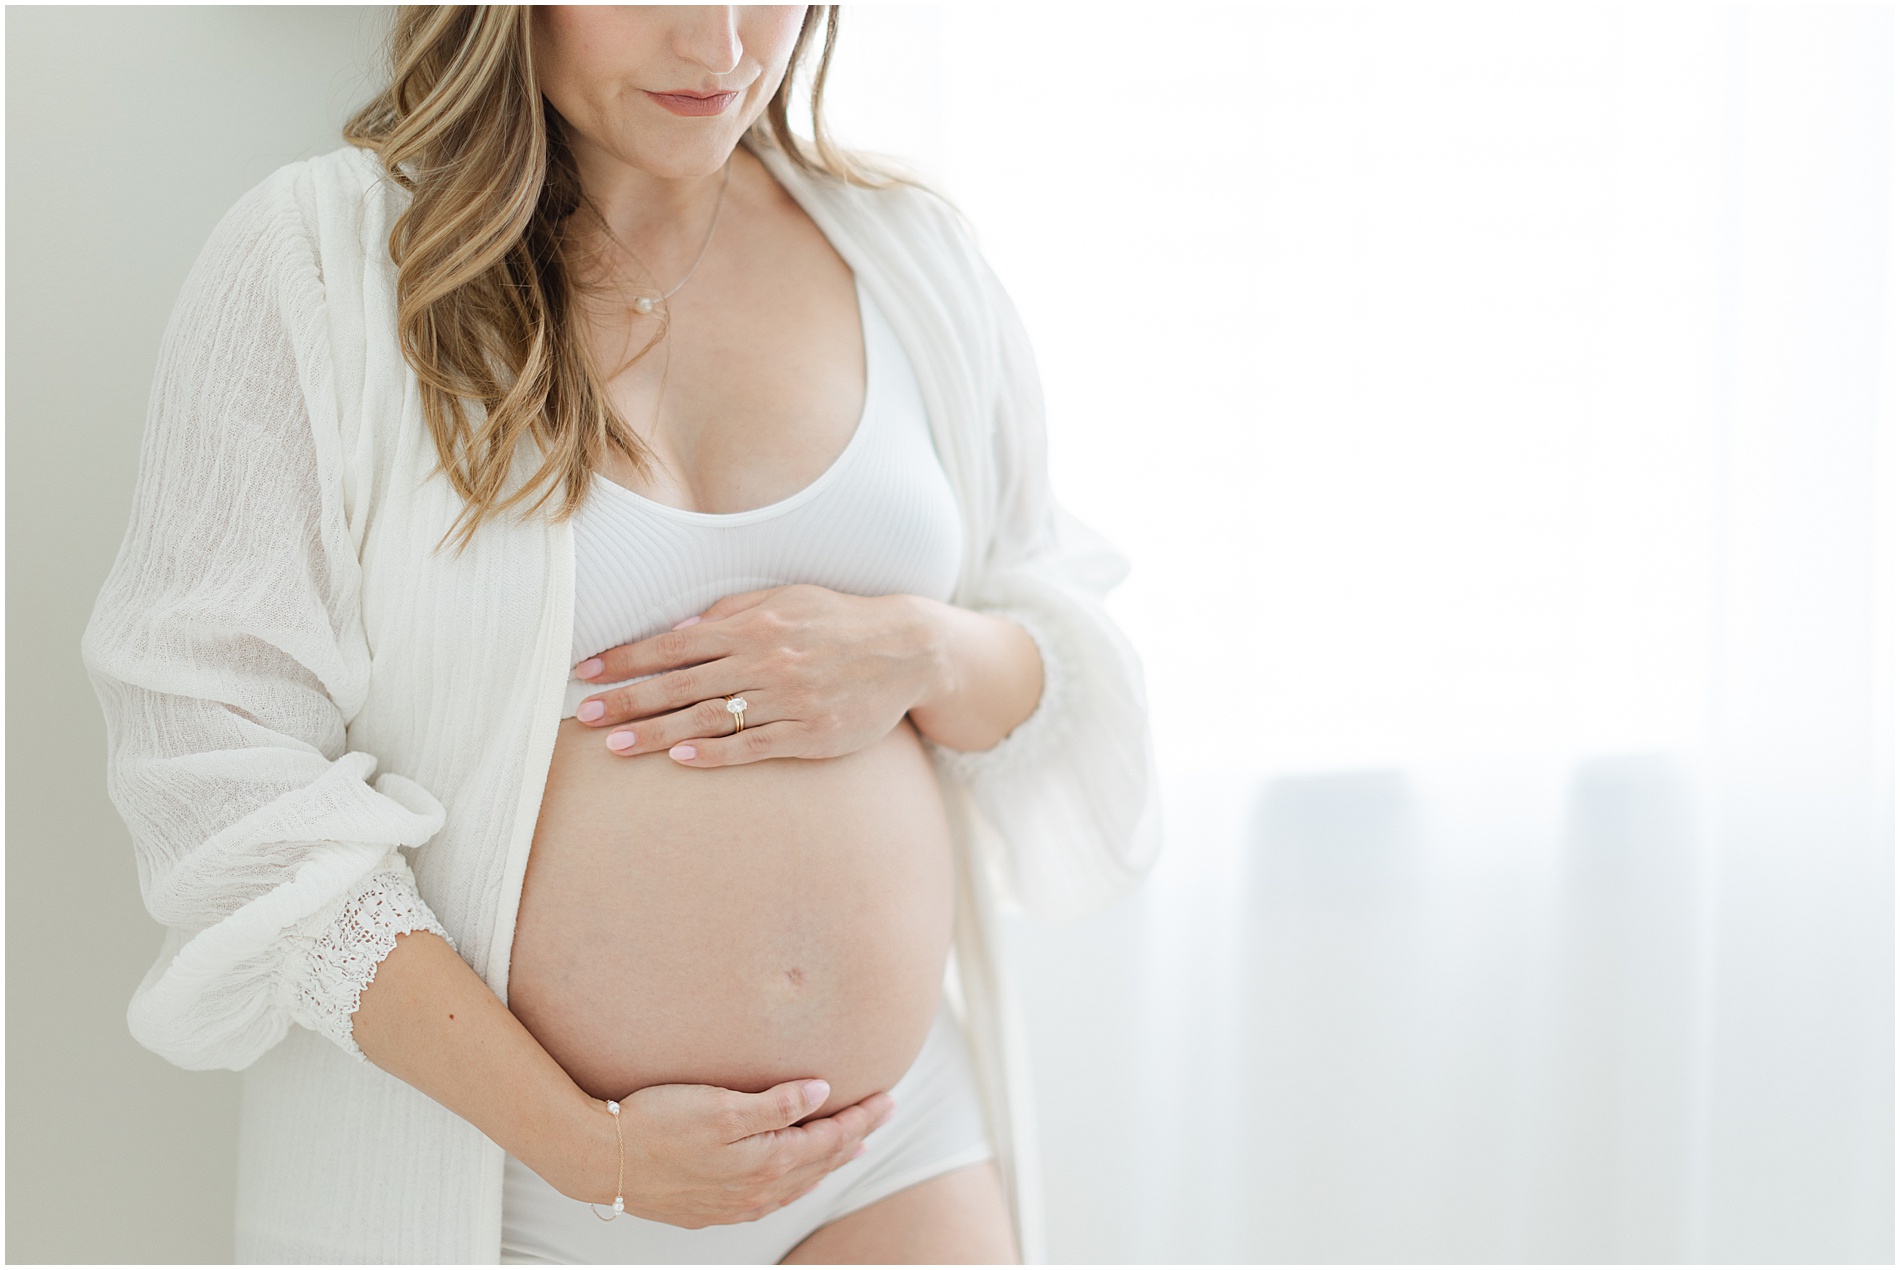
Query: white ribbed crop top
[881,520]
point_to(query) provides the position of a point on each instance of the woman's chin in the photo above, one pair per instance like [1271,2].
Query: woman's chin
[674,148]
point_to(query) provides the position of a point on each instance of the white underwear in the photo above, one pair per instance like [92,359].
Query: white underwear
[937,1126]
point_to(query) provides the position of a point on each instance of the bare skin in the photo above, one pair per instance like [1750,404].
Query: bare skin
[737,927]
[958,1218]
[757,391]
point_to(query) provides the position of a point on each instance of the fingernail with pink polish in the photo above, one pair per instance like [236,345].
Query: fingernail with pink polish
[691,621]
[590,710]
[684,752]
[589,668]
[622,741]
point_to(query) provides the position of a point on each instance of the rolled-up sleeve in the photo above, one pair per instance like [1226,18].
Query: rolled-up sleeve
[227,651]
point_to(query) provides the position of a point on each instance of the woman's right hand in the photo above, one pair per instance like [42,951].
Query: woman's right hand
[695,1155]
[698,1155]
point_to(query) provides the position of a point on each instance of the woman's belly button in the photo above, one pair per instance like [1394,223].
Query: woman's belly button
[781,920]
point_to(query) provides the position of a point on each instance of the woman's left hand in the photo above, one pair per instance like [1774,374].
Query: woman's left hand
[822,674]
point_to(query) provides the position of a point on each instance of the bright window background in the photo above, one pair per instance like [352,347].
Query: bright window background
[1399,321]
[1488,398]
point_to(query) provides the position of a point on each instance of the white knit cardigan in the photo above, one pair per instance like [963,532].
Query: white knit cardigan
[321,729]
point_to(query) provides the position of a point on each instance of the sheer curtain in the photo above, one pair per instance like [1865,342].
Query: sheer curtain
[1497,405]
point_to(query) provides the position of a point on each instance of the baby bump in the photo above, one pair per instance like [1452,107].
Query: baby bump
[734,926]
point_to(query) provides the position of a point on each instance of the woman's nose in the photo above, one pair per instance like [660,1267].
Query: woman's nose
[709,36]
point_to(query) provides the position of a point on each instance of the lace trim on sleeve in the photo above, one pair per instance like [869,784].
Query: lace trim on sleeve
[333,966]
[1036,735]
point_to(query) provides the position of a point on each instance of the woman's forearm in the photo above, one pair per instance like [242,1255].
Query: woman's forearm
[428,1019]
[988,677]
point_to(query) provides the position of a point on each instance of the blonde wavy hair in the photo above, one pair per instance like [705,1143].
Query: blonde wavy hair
[487,286]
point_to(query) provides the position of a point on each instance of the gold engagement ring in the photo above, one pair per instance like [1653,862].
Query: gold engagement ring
[735,706]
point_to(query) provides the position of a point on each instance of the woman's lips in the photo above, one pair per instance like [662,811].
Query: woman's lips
[693,103]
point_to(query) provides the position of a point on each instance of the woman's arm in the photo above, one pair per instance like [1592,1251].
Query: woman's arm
[695,1155]
[1069,799]
[823,673]
[220,646]
[428,1019]
[988,677]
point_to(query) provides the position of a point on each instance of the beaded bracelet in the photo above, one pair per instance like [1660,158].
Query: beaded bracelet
[620,1167]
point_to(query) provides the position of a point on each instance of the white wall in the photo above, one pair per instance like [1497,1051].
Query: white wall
[129,132]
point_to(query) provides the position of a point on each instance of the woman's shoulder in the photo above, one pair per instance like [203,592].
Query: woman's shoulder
[347,177]
[302,256]
[324,211]
[911,206]
[884,201]
[309,244]
[926,248]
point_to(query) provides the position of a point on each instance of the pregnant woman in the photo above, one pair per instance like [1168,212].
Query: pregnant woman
[593,652]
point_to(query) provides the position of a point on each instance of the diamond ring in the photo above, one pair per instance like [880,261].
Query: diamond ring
[735,706]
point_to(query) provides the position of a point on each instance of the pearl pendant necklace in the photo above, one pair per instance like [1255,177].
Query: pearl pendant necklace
[645,304]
